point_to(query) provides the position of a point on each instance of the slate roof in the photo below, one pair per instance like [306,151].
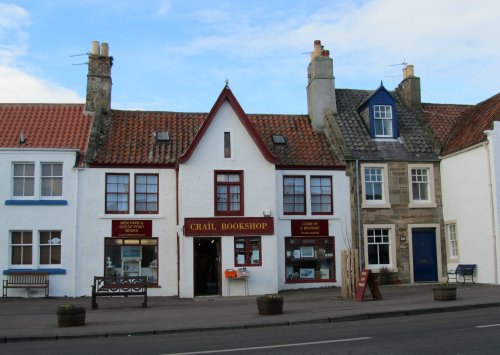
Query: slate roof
[469,128]
[129,139]
[44,126]
[412,145]
[442,117]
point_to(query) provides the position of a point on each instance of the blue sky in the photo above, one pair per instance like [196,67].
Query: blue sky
[175,55]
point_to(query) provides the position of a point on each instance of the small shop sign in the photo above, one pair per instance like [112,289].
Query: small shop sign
[131,228]
[310,227]
[228,226]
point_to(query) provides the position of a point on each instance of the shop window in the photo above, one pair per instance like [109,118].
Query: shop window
[294,195]
[23,179]
[50,247]
[146,193]
[117,193]
[52,177]
[229,193]
[131,257]
[321,195]
[247,251]
[21,247]
[310,259]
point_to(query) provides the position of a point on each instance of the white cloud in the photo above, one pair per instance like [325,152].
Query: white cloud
[163,7]
[17,86]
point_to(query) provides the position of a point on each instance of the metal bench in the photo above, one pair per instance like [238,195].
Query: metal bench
[466,270]
[120,286]
[27,280]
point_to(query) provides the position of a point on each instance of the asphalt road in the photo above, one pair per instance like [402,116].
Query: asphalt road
[466,332]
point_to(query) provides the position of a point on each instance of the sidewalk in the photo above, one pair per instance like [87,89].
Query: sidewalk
[35,318]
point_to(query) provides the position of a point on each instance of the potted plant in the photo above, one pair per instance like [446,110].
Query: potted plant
[270,304]
[444,292]
[69,315]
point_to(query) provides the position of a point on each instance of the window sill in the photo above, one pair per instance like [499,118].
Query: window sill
[36,203]
[376,205]
[50,271]
[301,281]
[132,216]
[422,205]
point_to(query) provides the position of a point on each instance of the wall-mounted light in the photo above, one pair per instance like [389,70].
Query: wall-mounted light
[266,213]
[402,238]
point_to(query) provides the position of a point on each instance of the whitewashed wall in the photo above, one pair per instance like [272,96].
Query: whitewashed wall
[339,223]
[494,150]
[467,201]
[196,189]
[38,218]
[96,225]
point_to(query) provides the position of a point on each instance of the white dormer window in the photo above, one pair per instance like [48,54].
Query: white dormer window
[382,115]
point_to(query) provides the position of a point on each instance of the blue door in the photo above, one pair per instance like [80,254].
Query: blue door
[424,254]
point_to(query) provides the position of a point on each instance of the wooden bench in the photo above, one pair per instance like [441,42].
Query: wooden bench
[466,270]
[27,280]
[120,286]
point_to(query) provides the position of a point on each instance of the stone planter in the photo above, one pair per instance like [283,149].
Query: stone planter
[444,292]
[70,315]
[270,304]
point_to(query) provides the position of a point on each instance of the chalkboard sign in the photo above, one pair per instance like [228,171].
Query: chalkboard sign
[366,278]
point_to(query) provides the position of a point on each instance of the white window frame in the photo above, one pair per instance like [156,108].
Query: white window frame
[452,257]
[431,201]
[35,249]
[392,266]
[383,117]
[37,181]
[385,202]
[52,177]
[32,245]
[53,243]
[23,196]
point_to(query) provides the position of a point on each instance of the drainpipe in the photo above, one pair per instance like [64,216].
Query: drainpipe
[492,209]
[177,229]
[76,242]
[358,217]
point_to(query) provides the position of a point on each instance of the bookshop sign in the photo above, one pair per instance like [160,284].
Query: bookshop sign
[194,227]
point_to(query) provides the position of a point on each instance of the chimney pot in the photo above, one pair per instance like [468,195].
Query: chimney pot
[408,71]
[317,49]
[104,49]
[94,49]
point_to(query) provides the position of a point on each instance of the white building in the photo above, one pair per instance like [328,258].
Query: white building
[40,150]
[470,178]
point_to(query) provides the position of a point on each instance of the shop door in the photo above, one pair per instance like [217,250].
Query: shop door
[424,254]
[207,274]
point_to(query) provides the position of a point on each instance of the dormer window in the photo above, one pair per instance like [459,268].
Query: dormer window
[382,115]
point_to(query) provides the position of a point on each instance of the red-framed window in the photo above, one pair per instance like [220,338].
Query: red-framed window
[146,193]
[117,193]
[294,195]
[321,195]
[247,251]
[229,193]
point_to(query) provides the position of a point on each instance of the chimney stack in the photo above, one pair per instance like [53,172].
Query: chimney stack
[320,87]
[409,89]
[99,79]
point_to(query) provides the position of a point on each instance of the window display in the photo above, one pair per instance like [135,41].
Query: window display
[310,259]
[132,257]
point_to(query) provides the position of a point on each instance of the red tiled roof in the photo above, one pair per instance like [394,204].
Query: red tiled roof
[469,128]
[44,126]
[130,141]
[442,117]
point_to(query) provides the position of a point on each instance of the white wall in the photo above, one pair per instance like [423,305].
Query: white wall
[494,151]
[40,218]
[339,223]
[467,200]
[196,191]
[96,225]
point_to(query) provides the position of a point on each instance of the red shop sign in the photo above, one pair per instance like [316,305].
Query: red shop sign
[131,228]
[228,226]
[310,227]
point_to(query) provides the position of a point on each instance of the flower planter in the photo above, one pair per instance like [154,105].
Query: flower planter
[270,304]
[444,293]
[69,315]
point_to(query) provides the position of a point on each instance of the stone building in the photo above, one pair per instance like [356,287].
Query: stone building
[394,171]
